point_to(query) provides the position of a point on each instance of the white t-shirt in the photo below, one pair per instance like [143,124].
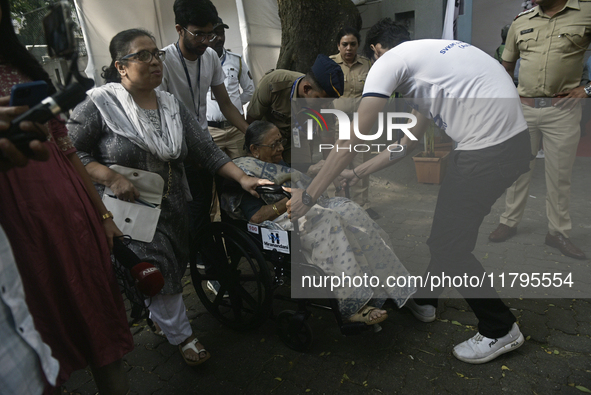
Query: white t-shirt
[464,90]
[237,76]
[204,72]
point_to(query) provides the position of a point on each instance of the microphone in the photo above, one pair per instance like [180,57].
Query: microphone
[148,278]
[43,112]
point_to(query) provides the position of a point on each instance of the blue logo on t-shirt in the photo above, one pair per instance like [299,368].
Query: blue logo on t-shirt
[455,44]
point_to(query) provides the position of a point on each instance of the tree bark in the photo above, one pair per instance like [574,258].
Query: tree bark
[309,28]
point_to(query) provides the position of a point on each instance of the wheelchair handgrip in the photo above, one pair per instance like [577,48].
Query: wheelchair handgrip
[272,189]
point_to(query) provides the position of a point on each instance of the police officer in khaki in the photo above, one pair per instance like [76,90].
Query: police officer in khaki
[240,89]
[272,98]
[551,40]
[355,69]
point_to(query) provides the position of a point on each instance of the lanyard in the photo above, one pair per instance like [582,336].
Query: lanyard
[295,119]
[294,87]
[224,57]
[178,49]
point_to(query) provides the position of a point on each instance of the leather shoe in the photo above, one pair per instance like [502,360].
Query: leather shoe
[502,233]
[565,246]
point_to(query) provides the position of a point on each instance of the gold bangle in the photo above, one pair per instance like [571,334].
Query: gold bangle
[107,215]
[275,209]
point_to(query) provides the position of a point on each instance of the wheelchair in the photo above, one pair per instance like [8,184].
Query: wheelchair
[234,254]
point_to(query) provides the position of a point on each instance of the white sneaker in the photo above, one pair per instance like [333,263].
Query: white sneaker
[200,267]
[540,154]
[480,349]
[425,313]
[214,287]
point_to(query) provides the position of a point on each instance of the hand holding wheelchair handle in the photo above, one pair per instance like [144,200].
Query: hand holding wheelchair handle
[273,189]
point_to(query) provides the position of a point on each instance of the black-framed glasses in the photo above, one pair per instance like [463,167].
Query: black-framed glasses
[275,145]
[146,56]
[201,37]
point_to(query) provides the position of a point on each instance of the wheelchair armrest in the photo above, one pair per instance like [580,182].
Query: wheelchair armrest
[272,189]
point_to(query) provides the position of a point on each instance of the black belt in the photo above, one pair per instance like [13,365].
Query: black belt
[219,125]
[539,102]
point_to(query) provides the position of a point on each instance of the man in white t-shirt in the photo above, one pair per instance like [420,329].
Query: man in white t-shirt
[469,95]
[240,88]
[190,70]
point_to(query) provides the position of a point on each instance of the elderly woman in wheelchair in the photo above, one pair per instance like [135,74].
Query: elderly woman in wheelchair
[336,235]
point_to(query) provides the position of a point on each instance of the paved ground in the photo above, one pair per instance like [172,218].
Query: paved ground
[407,356]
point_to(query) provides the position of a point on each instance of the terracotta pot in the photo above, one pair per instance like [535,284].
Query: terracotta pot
[431,170]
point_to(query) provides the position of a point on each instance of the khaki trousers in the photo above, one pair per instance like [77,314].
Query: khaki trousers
[560,131]
[230,140]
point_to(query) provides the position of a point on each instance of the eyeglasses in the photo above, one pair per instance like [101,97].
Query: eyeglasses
[275,145]
[201,37]
[146,56]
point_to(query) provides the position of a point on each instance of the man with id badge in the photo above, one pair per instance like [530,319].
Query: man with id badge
[190,69]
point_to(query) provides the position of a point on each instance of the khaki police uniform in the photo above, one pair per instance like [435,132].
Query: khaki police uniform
[272,102]
[226,136]
[551,51]
[355,76]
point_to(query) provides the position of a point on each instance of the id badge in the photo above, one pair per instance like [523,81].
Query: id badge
[296,138]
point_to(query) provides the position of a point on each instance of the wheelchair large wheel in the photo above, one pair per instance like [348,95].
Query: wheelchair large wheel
[231,258]
[294,330]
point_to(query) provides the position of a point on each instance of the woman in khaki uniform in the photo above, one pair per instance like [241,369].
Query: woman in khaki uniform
[355,68]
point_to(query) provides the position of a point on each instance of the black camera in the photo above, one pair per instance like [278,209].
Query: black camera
[59,36]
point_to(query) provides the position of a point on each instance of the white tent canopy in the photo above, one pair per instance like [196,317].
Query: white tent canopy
[255,28]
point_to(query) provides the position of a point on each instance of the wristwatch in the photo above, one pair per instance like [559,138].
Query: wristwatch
[588,89]
[307,199]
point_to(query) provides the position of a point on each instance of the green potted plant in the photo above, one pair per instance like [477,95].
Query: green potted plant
[430,163]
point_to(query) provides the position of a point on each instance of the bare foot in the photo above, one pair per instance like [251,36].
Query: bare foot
[369,315]
[376,314]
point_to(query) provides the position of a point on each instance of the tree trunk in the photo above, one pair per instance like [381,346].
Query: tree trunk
[309,28]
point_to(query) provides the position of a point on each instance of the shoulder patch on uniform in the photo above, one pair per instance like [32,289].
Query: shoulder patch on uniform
[525,12]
